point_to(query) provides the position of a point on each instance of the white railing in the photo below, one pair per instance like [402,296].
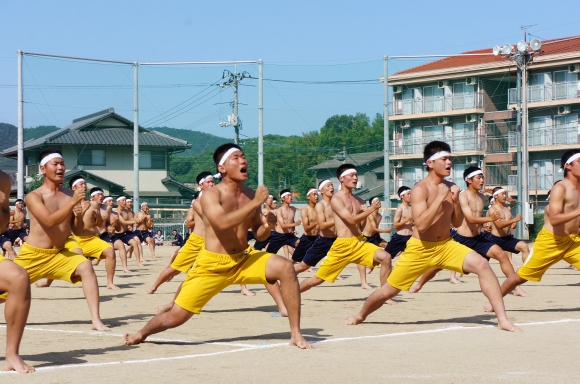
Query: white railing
[556,91]
[436,104]
[548,136]
[457,143]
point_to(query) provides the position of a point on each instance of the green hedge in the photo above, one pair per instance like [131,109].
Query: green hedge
[537,227]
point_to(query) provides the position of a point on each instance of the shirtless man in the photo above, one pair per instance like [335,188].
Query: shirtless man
[559,238]
[126,218]
[371,229]
[15,281]
[229,210]
[435,206]
[54,213]
[109,229]
[144,223]
[350,247]
[469,232]
[403,224]
[17,219]
[310,225]
[131,228]
[501,228]
[270,212]
[327,233]
[284,233]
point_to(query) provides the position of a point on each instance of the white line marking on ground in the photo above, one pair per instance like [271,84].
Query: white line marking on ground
[257,347]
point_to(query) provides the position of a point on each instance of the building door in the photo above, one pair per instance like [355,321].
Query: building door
[541,177]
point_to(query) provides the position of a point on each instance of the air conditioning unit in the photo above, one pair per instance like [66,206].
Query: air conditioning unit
[471,80]
[574,68]
[397,164]
[406,124]
[442,83]
[471,160]
[563,109]
[443,120]
[397,88]
[471,118]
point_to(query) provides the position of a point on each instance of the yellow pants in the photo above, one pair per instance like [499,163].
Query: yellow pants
[92,246]
[548,250]
[71,243]
[420,256]
[188,253]
[54,264]
[345,251]
[213,272]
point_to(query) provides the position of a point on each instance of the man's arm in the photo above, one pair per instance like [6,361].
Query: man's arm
[260,225]
[306,221]
[323,223]
[280,218]
[77,223]
[457,215]
[398,221]
[424,215]
[375,227]
[222,221]
[123,220]
[339,209]
[107,214]
[5,213]
[42,214]
[96,207]
[468,214]
[556,214]
[502,224]
[190,217]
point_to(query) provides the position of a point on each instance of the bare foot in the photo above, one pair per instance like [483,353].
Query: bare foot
[311,270]
[415,288]
[391,302]
[15,363]
[125,270]
[132,338]
[43,284]
[507,326]
[150,291]
[247,292]
[518,291]
[95,262]
[365,286]
[339,277]
[487,308]
[100,327]
[139,265]
[164,308]
[300,342]
[453,280]
[113,287]
[283,312]
[354,320]
[369,270]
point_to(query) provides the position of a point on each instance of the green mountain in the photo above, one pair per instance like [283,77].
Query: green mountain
[200,142]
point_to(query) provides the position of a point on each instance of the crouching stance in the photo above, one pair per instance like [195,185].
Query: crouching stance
[229,209]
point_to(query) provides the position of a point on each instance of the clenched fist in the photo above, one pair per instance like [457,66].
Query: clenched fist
[261,195]
[518,217]
[495,215]
[454,193]
[78,195]
[442,190]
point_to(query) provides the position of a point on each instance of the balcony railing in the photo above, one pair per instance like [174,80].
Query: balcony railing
[541,181]
[436,104]
[548,136]
[556,91]
[457,143]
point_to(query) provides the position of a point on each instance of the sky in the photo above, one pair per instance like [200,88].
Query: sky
[321,58]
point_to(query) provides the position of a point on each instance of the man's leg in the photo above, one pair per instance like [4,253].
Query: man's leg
[301,267]
[454,278]
[110,265]
[275,292]
[140,247]
[427,276]
[362,271]
[10,253]
[509,285]
[313,281]
[283,271]
[151,244]
[15,281]
[474,263]
[48,282]
[524,249]
[136,244]
[119,246]
[167,274]
[159,323]
[245,291]
[506,266]
[373,302]
[86,274]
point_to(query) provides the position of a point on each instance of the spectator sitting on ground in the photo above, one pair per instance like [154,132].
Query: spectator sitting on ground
[159,238]
[177,239]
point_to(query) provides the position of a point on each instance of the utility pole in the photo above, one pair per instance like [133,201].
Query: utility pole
[233,79]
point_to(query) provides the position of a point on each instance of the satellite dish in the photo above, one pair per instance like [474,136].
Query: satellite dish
[522,46]
[535,44]
[496,50]
[507,49]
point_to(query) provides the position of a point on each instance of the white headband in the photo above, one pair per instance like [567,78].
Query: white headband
[347,172]
[128,200]
[374,198]
[96,192]
[324,183]
[438,155]
[405,192]
[474,173]
[227,154]
[205,179]
[286,194]
[50,157]
[311,191]
[498,191]
[142,204]
[78,181]
[121,197]
[270,197]
[570,160]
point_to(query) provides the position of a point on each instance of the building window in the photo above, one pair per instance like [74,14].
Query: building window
[151,160]
[92,157]
[540,132]
[463,137]
[566,129]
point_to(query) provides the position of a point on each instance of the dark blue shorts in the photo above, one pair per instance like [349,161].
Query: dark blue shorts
[278,240]
[124,237]
[397,244]
[105,237]
[304,245]
[318,250]
[259,245]
[3,239]
[250,236]
[478,243]
[14,234]
[142,235]
[375,239]
[507,243]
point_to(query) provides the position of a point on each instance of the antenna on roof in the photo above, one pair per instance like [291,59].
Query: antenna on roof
[525,29]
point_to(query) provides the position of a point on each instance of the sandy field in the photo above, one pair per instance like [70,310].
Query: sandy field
[439,335]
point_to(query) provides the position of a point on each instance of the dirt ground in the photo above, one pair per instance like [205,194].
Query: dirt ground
[438,335]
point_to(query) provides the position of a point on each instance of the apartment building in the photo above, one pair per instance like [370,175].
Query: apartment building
[469,102]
